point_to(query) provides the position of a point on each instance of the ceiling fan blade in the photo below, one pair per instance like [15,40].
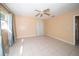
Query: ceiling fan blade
[47,14]
[37,14]
[46,10]
[53,16]
[37,10]
[41,15]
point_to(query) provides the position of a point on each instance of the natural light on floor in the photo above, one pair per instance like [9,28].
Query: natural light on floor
[21,50]
[22,40]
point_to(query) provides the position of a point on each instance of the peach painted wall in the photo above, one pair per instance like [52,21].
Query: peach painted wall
[25,26]
[61,27]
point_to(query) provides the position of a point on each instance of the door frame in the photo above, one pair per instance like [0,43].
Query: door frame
[74,42]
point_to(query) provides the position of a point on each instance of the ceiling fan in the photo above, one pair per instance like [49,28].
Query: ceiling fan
[43,12]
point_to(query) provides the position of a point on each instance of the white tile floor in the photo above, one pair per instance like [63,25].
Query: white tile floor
[42,46]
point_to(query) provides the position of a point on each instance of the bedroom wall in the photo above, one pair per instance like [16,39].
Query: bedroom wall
[25,26]
[61,27]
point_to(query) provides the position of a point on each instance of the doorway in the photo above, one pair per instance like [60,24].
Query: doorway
[76,30]
[40,27]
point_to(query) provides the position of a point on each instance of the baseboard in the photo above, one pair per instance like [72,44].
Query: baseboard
[60,39]
[29,36]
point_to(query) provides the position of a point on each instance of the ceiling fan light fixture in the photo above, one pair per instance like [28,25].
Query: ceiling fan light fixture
[43,13]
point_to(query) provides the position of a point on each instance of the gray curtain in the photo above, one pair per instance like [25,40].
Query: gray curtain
[10,31]
[1,45]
